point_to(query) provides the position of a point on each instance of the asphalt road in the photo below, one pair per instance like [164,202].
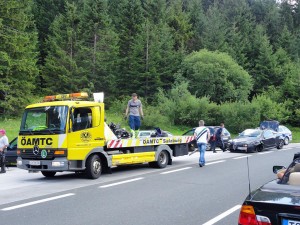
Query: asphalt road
[182,193]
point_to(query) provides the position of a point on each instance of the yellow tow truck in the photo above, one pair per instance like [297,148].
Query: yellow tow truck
[68,133]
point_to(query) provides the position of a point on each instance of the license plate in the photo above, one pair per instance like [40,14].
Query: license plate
[290,222]
[242,148]
[35,163]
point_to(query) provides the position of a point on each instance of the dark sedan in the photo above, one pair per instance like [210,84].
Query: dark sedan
[11,154]
[255,140]
[275,203]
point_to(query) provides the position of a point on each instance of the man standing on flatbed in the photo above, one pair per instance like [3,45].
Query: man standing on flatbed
[135,111]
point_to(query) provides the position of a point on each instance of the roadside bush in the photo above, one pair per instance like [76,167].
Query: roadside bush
[238,116]
[270,109]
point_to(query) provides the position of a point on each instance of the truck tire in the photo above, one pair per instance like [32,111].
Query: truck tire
[93,167]
[48,173]
[162,160]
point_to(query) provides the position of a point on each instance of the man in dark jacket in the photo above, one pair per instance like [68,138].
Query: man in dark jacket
[219,137]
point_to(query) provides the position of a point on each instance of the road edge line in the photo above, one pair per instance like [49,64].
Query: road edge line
[177,170]
[37,202]
[121,182]
[222,215]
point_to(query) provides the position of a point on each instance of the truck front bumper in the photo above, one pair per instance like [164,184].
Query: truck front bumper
[57,164]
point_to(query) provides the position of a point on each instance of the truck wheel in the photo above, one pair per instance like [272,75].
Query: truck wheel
[48,173]
[93,167]
[162,160]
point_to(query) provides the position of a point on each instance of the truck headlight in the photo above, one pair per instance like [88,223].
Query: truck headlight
[19,162]
[58,164]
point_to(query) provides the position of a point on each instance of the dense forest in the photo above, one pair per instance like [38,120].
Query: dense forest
[188,59]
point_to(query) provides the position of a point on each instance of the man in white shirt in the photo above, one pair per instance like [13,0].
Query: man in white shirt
[3,145]
[202,136]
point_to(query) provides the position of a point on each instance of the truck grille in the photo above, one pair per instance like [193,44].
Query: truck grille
[28,154]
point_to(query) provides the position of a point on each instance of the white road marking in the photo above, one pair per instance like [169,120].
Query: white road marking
[214,162]
[173,171]
[262,153]
[223,215]
[241,157]
[37,202]
[121,182]
[285,149]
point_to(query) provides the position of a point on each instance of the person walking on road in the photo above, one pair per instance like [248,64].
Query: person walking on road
[219,137]
[135,111]
[202,136]
[213,141]
[3,145]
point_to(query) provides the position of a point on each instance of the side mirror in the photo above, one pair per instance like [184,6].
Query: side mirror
[277,168]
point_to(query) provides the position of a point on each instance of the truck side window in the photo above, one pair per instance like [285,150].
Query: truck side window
[82,119]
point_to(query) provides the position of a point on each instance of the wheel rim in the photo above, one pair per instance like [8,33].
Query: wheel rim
[162,158]
[97,167]
[286,140]
[281,144]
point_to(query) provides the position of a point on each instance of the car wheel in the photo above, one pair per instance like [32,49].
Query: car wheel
[281,144]
[259,148]
[286,141]
[256,149]
[48,173]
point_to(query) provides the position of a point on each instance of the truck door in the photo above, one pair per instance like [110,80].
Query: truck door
[86,132]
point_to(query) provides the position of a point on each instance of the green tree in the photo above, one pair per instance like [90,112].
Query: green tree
[263,61]
[239,30]
[98,52]
[155,59]
[63,46]
[216,75]
[197,20]
[18,55]
[127,17]
[215,29]
[179,21]
[44,13]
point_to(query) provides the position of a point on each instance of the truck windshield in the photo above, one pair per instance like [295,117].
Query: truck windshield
[44,120]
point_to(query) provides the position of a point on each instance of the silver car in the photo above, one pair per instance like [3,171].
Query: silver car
[286,133]
[150,133]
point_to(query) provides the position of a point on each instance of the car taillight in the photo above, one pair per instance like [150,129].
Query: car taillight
[262,220]
[248,217]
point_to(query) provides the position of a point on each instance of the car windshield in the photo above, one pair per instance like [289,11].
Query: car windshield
[44,120]
[251,133]
[145,133]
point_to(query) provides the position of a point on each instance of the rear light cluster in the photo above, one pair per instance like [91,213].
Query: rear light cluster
[248,217]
